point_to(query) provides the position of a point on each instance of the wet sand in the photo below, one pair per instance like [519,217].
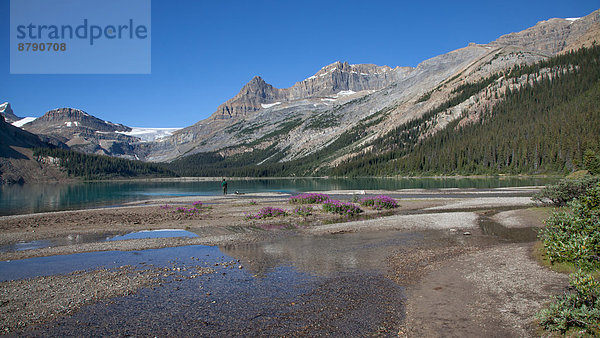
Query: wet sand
[460,280]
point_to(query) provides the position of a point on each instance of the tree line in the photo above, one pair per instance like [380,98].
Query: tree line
[94,167]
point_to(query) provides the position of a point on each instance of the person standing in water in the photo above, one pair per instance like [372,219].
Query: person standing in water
[224,185]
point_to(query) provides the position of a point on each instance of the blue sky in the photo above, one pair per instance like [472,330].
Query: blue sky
[203,52]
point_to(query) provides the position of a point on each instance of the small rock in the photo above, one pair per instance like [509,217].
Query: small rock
[466,233]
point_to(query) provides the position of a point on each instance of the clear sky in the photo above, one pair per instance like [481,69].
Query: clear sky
[203,52]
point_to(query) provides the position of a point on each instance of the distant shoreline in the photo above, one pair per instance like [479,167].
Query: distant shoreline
[234,178]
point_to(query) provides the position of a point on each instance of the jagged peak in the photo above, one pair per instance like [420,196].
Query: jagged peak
[256,82]
[257,78]
[361,68]
[9,114]
[5,108]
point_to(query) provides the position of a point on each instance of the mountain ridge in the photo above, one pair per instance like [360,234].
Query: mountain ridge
[435,79]
[337,113]
[82,131]
[329,80]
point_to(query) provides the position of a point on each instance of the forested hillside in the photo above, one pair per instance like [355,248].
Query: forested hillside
[93,167]
[544,127]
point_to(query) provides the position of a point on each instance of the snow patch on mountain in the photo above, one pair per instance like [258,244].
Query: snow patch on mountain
[23,121]
[150,134]
[345,92]
[269,105]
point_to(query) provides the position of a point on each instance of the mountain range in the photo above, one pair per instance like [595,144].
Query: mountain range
[318,117]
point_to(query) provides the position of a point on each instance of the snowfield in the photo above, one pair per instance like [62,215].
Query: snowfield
[150,134]
[22,121]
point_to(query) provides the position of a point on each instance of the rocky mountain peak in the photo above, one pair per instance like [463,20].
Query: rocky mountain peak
[257,86]
[339,76]
[257,80]
[329,80]
[248,100]
[7,112]
[5,107]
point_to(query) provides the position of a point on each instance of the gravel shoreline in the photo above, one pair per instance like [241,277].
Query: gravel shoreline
[29,301]
[37,300]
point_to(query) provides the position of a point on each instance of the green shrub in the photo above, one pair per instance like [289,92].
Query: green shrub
[577,309]
[574,235]
[566,190]
[591,162]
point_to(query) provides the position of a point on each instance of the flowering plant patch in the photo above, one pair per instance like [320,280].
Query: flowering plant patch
[303,210]
[342,208]
[310,198]
[267,212]
[379,202]
[188,211]
[195,209]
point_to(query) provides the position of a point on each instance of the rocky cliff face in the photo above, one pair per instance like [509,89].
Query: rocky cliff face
[330,80]
[339,76]
[551,36]
[7,112]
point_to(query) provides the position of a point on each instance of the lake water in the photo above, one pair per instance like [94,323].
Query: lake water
[31,198]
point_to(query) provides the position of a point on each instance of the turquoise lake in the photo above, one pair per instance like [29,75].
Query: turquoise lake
[31,198]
